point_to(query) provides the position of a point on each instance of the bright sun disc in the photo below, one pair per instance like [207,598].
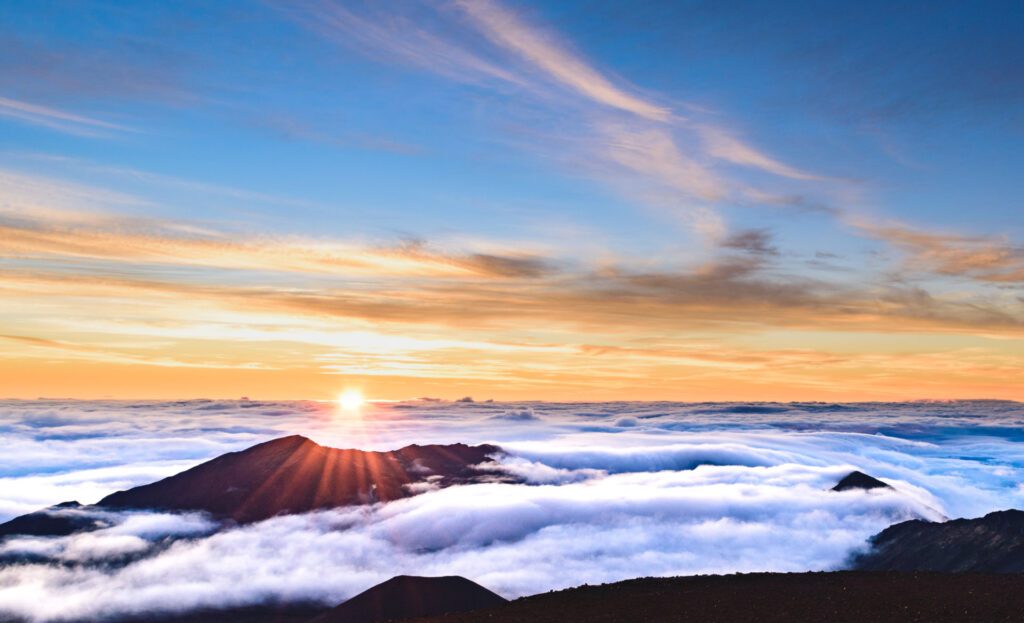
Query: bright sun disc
[351,399]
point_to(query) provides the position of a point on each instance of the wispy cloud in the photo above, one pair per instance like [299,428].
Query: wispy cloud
[723,146]
[178,244]
[47,218]
[578,113]
[395,35]
[545,52]
[59,120]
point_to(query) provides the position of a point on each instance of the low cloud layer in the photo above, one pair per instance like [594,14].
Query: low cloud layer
[613,491]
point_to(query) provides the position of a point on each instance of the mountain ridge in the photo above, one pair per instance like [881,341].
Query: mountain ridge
[993,543]
[294,474]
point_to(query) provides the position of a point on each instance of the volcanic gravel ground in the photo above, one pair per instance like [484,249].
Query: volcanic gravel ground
[835,597]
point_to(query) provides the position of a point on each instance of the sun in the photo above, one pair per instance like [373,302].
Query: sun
[351,400]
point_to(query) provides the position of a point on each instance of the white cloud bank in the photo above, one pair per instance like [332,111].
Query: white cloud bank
[515,539]
[682,489]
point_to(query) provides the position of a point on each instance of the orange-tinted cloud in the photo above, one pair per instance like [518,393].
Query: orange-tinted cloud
[977,257]
[133,301]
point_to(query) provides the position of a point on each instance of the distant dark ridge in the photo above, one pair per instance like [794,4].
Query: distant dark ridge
[407,597]
[990,544]
[52,521]
[294,612]
[859,480]
[260,613]
[834,597]
[295,475]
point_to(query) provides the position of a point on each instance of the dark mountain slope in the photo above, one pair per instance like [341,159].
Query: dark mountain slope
[294,475]
[836,597]
[406,597]
[993,544]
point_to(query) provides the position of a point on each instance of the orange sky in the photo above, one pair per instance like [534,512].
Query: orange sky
[96,306]
[99,380]
[485,336]
[101,306]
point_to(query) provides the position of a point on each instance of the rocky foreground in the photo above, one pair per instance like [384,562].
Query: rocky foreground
[828,597]
[834,597]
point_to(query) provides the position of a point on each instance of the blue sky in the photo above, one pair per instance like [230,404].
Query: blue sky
[866,151]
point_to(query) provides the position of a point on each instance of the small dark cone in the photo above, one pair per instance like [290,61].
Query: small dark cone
[408,597]
[859,480]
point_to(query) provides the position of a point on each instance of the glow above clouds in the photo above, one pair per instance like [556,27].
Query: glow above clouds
[615,491]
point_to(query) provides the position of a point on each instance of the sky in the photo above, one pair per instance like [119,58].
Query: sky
[603,492]
[513,200]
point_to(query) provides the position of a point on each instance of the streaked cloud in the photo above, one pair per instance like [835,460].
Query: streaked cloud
[542,50]
[59,120]
[157,242]
[465,287]
[725,147]
[44,217]
[396,36]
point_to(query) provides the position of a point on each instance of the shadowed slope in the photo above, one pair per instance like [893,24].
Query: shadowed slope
[295,475]
[993,544]
[406,596]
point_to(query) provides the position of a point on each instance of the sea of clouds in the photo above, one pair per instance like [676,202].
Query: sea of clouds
[613,491]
